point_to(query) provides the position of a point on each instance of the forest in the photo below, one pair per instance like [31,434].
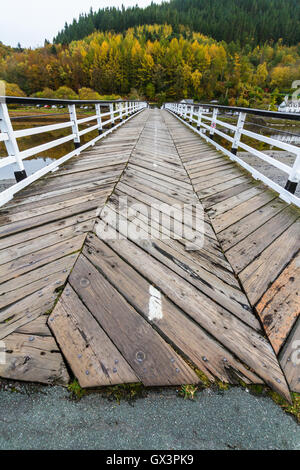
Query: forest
[243,21]
[151,62]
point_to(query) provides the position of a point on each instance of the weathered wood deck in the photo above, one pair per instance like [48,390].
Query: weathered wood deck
[150,310]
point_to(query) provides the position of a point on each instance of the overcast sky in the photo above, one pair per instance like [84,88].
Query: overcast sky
[31,21]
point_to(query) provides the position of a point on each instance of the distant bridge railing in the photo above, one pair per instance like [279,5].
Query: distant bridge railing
[204,118]
[108,116]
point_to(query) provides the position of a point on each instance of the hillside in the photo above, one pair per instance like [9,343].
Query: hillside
[153,62]
[244,21]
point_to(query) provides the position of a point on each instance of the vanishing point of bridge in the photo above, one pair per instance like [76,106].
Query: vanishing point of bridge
[156,310]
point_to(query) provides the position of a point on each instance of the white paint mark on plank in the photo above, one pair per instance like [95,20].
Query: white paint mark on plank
[155,304]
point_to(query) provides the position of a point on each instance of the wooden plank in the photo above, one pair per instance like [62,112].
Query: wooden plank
[221,186]
[242,254]
[206,353]
[61,215]
[173,165]
[245,343]
[57,279]
[61,265]
[112,166]
[227,296]
[230,217]
[39,228]
[140,223]
[33,359]
[280,306]
[152,359]
[200,175]
[64,192]
[40,258]
[166,160]
[92,356]
[255,278]
[210,182]
[36,327]
[289,358]
[207,166]
[202,161]
[31,207]
[168,179]
[43,241]
[28,308]
[170,186]
[37,232]
[244,227]
[211,201]
[23,216]
[230,203]
[150,187]
[69,181]
[221,175]
[20,214]
[176,211]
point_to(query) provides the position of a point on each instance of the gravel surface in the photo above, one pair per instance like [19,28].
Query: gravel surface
[4,184]
[234,419]
[271,171]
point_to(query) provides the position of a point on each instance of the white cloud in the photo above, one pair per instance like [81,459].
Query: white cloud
[30,22]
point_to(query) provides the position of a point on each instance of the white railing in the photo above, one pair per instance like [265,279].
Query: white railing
[196,117]
[120,111]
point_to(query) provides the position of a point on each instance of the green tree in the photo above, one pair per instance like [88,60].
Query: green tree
[65,93]
[150,91]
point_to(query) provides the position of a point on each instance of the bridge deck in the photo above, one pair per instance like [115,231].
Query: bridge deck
[152,310]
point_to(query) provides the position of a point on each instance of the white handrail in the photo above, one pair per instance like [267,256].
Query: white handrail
[9,136]
[197,117]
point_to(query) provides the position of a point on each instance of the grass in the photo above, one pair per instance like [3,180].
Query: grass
[76,392]
[127,392]
[117,393]
[188,392]
[293,409]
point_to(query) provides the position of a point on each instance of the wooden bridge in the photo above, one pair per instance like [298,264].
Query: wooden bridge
[151,309]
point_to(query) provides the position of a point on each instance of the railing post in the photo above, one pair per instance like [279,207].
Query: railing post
[121,111]
[191,114]
[213,123]
[199,118]
[112,114]
[294,177]
[75,129]
[11,144]
[185,112]
[99,118]
[238,133]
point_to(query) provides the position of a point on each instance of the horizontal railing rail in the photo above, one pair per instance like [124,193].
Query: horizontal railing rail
[105,122]
[206,118]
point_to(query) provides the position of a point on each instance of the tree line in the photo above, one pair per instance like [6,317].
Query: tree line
[156,63]
[245,21]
